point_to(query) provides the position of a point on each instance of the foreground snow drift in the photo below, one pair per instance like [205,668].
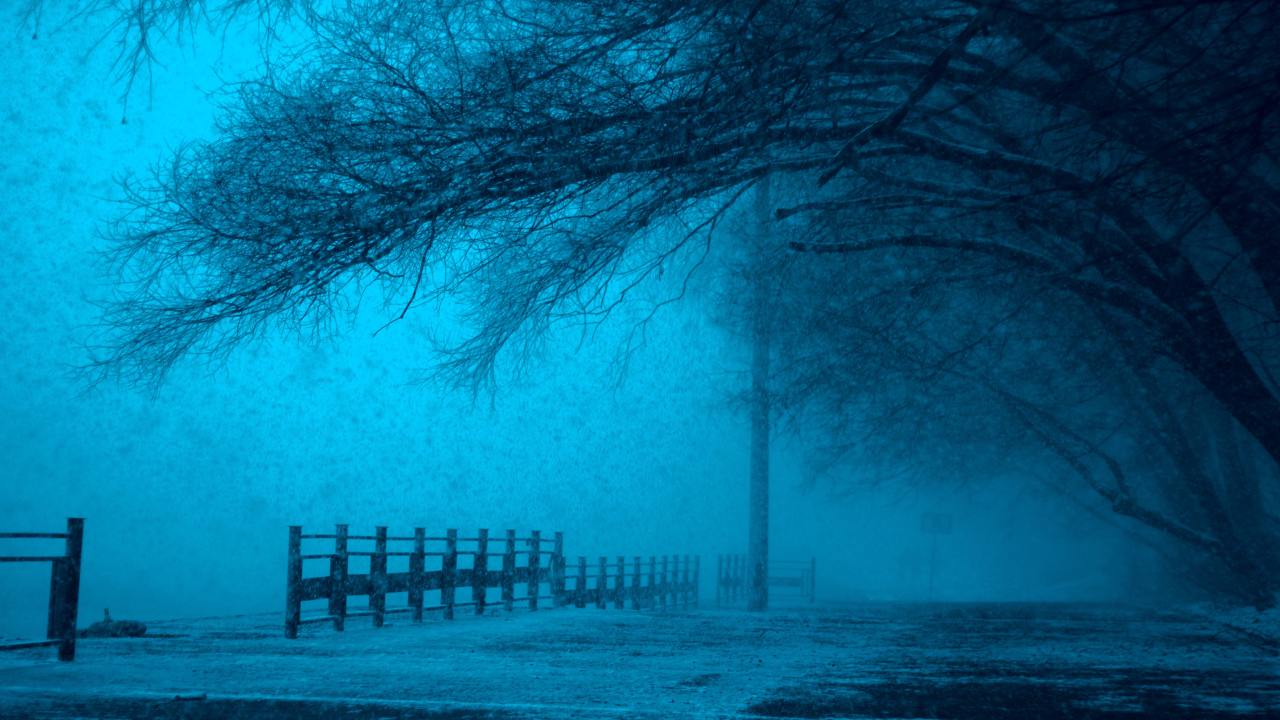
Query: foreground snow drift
[911,661]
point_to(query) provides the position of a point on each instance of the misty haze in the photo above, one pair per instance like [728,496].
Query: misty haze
[655,358]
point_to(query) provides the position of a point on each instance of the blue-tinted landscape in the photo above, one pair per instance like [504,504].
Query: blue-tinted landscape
[932,346]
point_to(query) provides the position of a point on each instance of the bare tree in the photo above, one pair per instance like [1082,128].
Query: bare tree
[952,372]
[542,159]
[134,29]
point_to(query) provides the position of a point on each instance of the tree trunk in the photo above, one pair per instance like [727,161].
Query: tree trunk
[1242,494]
[1254,583]
[758,512]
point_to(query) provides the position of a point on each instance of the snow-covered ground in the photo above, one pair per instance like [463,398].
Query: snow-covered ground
[988,662]
[1262,628]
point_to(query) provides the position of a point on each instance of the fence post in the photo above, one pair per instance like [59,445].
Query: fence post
[378,576]
[730,584]
[697,587]
[535,567]
[731,578]
[635,584]
[480,571]
[672,580]
[69,585]
[719,576]
[449,572]
[677,587]
[674,584]
[557,571]
[580,592]
[602,582]
[417,572]
[679,573]
[620,587]
[737,577]
[684,584]
[338,579]
[509,572]
[293,584]
[665,585]
[651,600]
[57,570]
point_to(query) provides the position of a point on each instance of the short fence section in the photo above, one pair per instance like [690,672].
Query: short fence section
[661,582]
[64,587]
[732,578]
[523,569]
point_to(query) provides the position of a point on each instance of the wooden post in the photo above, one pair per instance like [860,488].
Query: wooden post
[378,576]
[509,572]
[731,587]
[620,586]
[602,583]
[449,572]
[674,583]
[719,577]
[679,576]
[69,586]
[669,579]
[635,584]
[732,578]
[580,594]
[417,572]
[53,626]
[535,567]
[737,577]
[480,571]
[650,598]
[697,564]
[684,584]
[293,584]
[665,585]
[338,569]
[557,571]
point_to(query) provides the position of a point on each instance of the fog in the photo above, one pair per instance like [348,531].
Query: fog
[188,488]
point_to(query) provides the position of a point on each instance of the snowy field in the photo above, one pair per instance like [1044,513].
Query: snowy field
[965,662]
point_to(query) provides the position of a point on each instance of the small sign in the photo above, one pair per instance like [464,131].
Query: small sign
[936,523]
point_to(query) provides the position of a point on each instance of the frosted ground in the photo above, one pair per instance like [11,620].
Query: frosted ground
[965,662]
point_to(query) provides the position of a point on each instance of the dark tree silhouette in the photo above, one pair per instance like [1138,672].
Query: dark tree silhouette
[928,370]
[540,159]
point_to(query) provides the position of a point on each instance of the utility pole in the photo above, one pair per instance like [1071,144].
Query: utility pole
[758,512]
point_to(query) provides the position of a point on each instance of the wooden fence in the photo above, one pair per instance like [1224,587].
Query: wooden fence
[732,578]
[64,587]
[509,563]
[667,581]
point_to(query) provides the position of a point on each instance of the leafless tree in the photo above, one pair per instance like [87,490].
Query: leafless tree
[541,159]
